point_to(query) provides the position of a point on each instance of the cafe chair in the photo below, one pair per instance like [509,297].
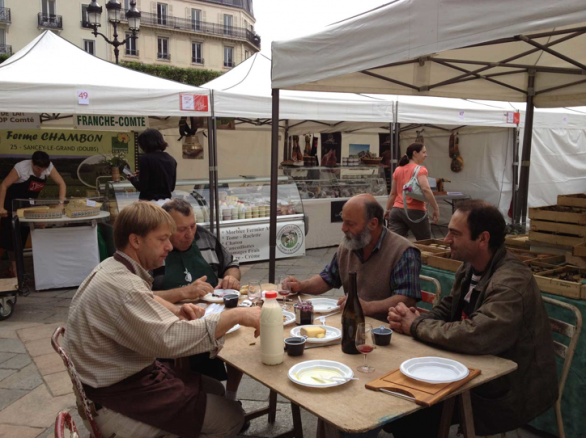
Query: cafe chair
[430,297]
[63,424]
[85,406]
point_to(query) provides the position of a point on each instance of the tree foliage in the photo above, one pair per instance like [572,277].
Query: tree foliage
[189,76]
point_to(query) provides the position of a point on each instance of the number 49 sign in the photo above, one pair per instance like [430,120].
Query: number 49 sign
[83,97]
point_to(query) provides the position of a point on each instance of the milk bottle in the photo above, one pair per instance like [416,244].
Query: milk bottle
[271,330]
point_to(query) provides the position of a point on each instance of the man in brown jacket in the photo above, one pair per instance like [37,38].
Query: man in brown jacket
[495,308]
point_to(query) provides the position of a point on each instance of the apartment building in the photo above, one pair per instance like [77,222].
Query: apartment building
[209,34]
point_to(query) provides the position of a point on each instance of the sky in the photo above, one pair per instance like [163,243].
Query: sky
[286,19]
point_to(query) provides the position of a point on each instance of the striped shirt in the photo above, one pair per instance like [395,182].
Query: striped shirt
[116,328]
[472,296]
[404,278]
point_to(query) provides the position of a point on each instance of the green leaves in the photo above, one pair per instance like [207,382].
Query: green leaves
[189,76]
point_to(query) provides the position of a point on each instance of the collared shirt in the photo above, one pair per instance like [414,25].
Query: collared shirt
[116,328]
[404,278]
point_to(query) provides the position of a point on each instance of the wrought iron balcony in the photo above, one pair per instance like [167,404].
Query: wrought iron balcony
[229,64]
[170,22]
[241,4]
[5,50]
[195,60]
[5,15]
[166,56]
[50,21]
[130,52]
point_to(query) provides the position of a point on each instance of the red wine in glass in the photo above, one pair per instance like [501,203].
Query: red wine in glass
[365,349]
[364,344]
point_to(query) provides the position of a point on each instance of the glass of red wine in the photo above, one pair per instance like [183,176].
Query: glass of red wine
[284,290]
[364,344]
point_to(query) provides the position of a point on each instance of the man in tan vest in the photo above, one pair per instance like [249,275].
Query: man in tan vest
[387,265]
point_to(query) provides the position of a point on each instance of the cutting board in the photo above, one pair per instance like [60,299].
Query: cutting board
[425,394]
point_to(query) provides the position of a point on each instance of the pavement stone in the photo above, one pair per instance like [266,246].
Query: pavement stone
[26,379]
[9,396]
[8,328]
[11,346]
[7,431]
[6,356]
[67,294]
[59,383]
[6,373]
[18,362]
[250,389]
[39,347]
[49,364]
[44,331]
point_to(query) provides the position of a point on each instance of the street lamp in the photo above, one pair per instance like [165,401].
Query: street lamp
[114,8]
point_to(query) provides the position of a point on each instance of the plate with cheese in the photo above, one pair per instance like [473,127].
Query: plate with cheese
[317,333]
[320,373]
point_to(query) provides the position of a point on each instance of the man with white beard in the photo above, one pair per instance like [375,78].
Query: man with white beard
[387,265]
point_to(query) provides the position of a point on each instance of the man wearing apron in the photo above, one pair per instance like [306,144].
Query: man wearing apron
[25,181]
[192,270]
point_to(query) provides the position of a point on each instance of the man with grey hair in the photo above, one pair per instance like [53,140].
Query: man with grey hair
[387,265]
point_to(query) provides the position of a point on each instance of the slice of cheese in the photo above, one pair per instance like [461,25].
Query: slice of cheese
[313,332]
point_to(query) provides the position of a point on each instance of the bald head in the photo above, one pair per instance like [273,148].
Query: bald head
[365,205]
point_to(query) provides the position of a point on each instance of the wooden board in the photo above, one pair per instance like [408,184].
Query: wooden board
[430,242]
[538,267]
[580,250]
[577,200]
[8,284]
[427,251]
[556,239]
[517,241]
[425,394]
[444,262]
[559,228]
[573,260]
[551,214]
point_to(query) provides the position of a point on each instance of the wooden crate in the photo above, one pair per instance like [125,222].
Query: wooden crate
[573,260]
[577,200]
[427,251]
[559,228]
[580,250]
[556,239]
[558,213]
[525,255]
[553,259]
[565,288]
[539,267]
[517,241]
[434,243]
[443,261]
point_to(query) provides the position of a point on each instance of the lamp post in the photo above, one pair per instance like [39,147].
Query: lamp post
[114,9]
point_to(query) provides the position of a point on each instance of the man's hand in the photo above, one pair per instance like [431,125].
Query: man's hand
[189,312]
[250,317]
[197,289]
[401,317]
[3,212]
[229,282]
[387,214]
[363,304]
[294,284]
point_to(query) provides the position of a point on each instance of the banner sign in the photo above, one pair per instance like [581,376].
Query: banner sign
[251,243]
[19,121]
[193,102]
[513,117]
[110,123]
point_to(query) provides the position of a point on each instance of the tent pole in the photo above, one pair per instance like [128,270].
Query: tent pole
[515,179]
[211,168]
[526,154]
[397,136]
[215,170]
[392,147]
[274,181]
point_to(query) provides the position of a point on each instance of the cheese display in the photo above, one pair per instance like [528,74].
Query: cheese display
[43,212]
[82,208]
[313,332]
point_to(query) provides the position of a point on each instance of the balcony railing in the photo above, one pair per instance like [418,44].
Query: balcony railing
[166,56]
[5,50]
[195,60]
[242,4]
[228,64]
[5,15]
[204,27]
[50,21]
[130,52]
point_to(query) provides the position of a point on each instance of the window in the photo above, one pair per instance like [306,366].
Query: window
[126,5]
[163,48]
[85,19]
[246,54]
[162,14]
[228,56]
[89,46]
[196,19]
[2,42]
[227,24]
[48,8]
[196,52]
[131,45]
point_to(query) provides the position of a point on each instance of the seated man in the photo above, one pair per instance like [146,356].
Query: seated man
[197,255]
[387,265]
[117,327]
[495,307]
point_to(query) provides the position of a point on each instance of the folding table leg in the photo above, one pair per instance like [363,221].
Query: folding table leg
[272,406]
[466,416]
[297,426]
[447,415]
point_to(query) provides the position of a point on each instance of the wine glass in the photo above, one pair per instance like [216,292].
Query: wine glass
[254,291]
[364,344]
[284,290]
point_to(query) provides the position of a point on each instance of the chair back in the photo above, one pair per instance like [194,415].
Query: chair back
[77,385]
[65,423]
[430,297]
[566,352]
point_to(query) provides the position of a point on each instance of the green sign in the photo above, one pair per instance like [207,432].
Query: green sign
[110,123]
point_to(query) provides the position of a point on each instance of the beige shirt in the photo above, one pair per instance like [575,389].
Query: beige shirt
[116,328]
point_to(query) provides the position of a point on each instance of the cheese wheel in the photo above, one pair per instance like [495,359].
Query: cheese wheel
[313,331]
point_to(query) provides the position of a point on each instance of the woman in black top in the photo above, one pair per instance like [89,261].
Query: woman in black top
[158,169]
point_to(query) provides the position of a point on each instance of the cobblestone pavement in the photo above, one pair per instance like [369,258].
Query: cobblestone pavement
[34,385]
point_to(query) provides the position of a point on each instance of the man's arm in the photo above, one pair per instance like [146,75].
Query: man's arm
[319,284]
[371,308]
[231,279]
[193,291]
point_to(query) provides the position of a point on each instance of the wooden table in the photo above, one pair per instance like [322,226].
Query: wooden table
[351,407]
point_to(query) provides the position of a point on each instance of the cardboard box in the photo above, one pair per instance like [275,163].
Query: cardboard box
[577,200]
[565,288]
[555,213]
[556,239]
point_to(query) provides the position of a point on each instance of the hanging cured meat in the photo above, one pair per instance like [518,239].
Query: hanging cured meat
[457,160]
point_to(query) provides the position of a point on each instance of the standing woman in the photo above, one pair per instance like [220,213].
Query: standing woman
[25,181]
[158,170]
[395,213]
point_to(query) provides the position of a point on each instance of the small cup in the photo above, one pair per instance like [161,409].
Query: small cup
[230,300]
[382,335]
[295,346]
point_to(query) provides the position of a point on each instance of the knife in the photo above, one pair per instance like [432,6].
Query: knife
[322,345]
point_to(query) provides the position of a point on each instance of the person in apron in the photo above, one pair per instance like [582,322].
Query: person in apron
[25,181]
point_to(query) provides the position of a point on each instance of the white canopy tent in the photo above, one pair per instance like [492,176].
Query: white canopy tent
[47,75]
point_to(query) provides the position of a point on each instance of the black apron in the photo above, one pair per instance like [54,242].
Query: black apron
[28,189]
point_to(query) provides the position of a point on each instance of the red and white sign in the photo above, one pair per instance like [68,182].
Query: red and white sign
[83,97]
[193,102]
[513,117]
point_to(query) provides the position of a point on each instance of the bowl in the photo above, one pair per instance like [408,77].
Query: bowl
[230,300]
[295,346]
[382,335]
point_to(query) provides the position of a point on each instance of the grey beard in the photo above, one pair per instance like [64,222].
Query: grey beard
[357,242]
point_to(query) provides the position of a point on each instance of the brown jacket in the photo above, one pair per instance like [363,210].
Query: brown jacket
[509,321]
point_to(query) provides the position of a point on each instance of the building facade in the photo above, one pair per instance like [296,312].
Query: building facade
[207,34]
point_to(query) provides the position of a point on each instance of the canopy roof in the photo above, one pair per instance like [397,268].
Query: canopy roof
[47,75]
[473,49]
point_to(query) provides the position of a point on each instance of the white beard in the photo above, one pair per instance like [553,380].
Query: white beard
[357,242]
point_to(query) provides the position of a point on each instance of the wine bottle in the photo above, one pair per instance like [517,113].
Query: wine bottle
[351,317]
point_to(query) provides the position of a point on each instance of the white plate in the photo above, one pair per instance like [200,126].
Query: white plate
[233,329]
[434,369]
[211,299]
[301,373]
[332,333]
[324,305]
[290,317]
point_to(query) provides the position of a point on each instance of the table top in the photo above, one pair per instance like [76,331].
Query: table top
[64,219]
[351,407]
